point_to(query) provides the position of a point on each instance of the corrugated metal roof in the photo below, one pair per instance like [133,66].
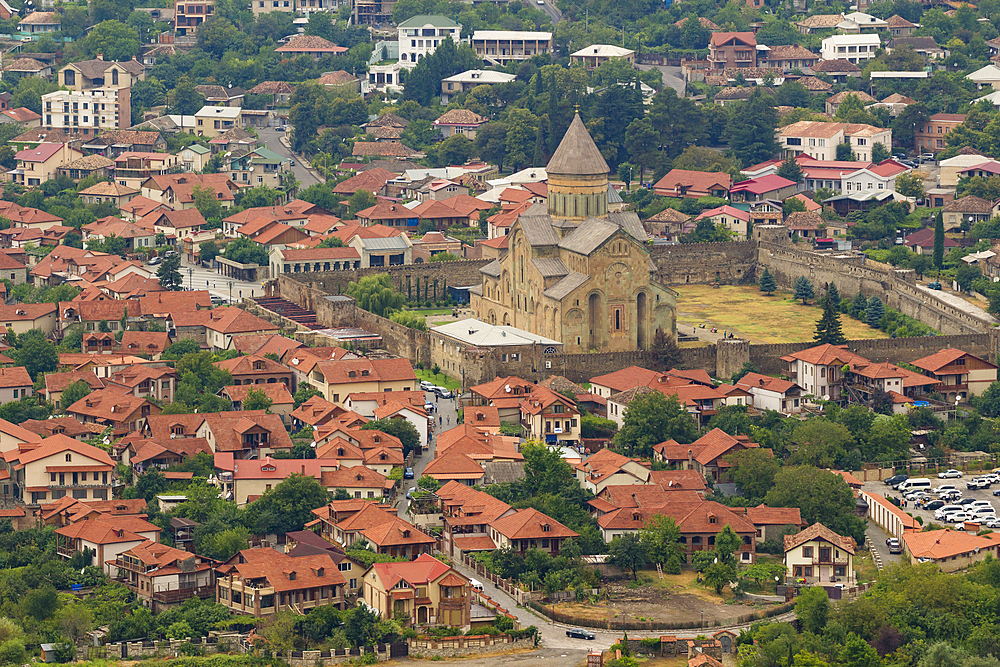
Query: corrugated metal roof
[390,243]
[591,233]
[482,334]
[566,286]
[550,267]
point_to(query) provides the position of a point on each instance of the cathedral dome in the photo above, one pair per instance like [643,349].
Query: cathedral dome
[577,154]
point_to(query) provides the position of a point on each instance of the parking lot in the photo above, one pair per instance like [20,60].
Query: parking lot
[928,515]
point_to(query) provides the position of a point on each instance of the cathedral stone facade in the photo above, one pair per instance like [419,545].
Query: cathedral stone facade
[574,272]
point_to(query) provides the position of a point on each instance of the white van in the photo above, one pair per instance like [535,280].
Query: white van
[476,585]
[915,484]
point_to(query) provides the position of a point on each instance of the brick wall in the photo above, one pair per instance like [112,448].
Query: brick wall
[410,279]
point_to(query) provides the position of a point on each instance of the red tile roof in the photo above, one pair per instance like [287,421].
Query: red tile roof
[819,531]
[945,357]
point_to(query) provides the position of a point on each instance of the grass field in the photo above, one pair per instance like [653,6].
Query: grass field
[745,310]
[440,379]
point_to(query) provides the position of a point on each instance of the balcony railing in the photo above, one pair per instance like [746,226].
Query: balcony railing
[171,594]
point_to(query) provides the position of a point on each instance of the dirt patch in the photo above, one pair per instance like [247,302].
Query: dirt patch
[673,599]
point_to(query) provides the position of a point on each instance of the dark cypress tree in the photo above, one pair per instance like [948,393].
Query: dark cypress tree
[874,312]
[833,294]
[859,305]
[939,241]
[539,159]
[828,328]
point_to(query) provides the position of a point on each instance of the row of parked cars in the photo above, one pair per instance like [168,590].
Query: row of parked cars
[440,392]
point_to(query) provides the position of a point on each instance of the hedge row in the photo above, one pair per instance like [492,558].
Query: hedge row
[613,624]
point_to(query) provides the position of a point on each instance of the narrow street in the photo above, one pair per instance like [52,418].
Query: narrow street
[272,139]
[671,76]
[447,410]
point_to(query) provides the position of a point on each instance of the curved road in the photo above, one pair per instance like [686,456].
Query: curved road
[549,7]
[553,635]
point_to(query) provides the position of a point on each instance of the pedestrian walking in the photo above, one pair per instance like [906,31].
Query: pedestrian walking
[440,421]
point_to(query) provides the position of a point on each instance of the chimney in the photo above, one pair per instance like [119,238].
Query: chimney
[690,460]
[100,56]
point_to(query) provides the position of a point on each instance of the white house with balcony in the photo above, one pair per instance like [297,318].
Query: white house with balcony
[856,48]
[421,35]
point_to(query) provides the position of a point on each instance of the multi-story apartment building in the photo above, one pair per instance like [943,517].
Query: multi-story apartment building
[189,15]
[87,112]
[502,46]
[931,135]
[728,50]
[420,35]
[820,140]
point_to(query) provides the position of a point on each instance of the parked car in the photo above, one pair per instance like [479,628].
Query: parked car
[977,483]
[442,392]
[408,473]
[997,492]
[950,474]
[965,501]
[934,285]
[945,488]
[895,480]
[154,261]
[981,503]
[579,634]
[933,505]
[426,386]
[894,546]
[927,157]
[953,496]
[958,517]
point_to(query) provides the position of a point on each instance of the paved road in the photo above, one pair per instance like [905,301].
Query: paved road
[877,537]
[553,12]
[671,76]
[272,139]
[447,410]
[553,635]
[199,278]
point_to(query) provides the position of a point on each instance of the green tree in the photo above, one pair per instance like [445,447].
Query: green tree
[625,172]
[423,82]
[288,506]
[304,393]
[727,543]
[750,129]
[719,575]
[791,170]
[858,653]
[828,327]
[803,289]
[858,305]
[628,552]
[874,312]
[813,608]
[879,152]
[169,273]
[111,10]
[820,496]
[399,428]
[184,99]
[216,35]
[376,294]
[74,393]
[661,538]
[651,419]
[359,201]
[521,128]
[491,143]
[428,483]
[114,39]
[37,355]
[753,471]
[257,400]
[246,251]
[821,443]
[845,153]
[208,251]
[939,241]
[207,202]
[767,283]
[910,184]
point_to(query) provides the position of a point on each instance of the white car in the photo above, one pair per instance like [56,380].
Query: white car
[980,503]
[945,488]
[950,474]
[958,517]
[942,512]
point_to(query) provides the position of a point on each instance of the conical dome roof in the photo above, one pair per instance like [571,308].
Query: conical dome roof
[577,154]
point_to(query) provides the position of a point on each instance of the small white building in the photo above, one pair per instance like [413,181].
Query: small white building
[985,76]
[858,49]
